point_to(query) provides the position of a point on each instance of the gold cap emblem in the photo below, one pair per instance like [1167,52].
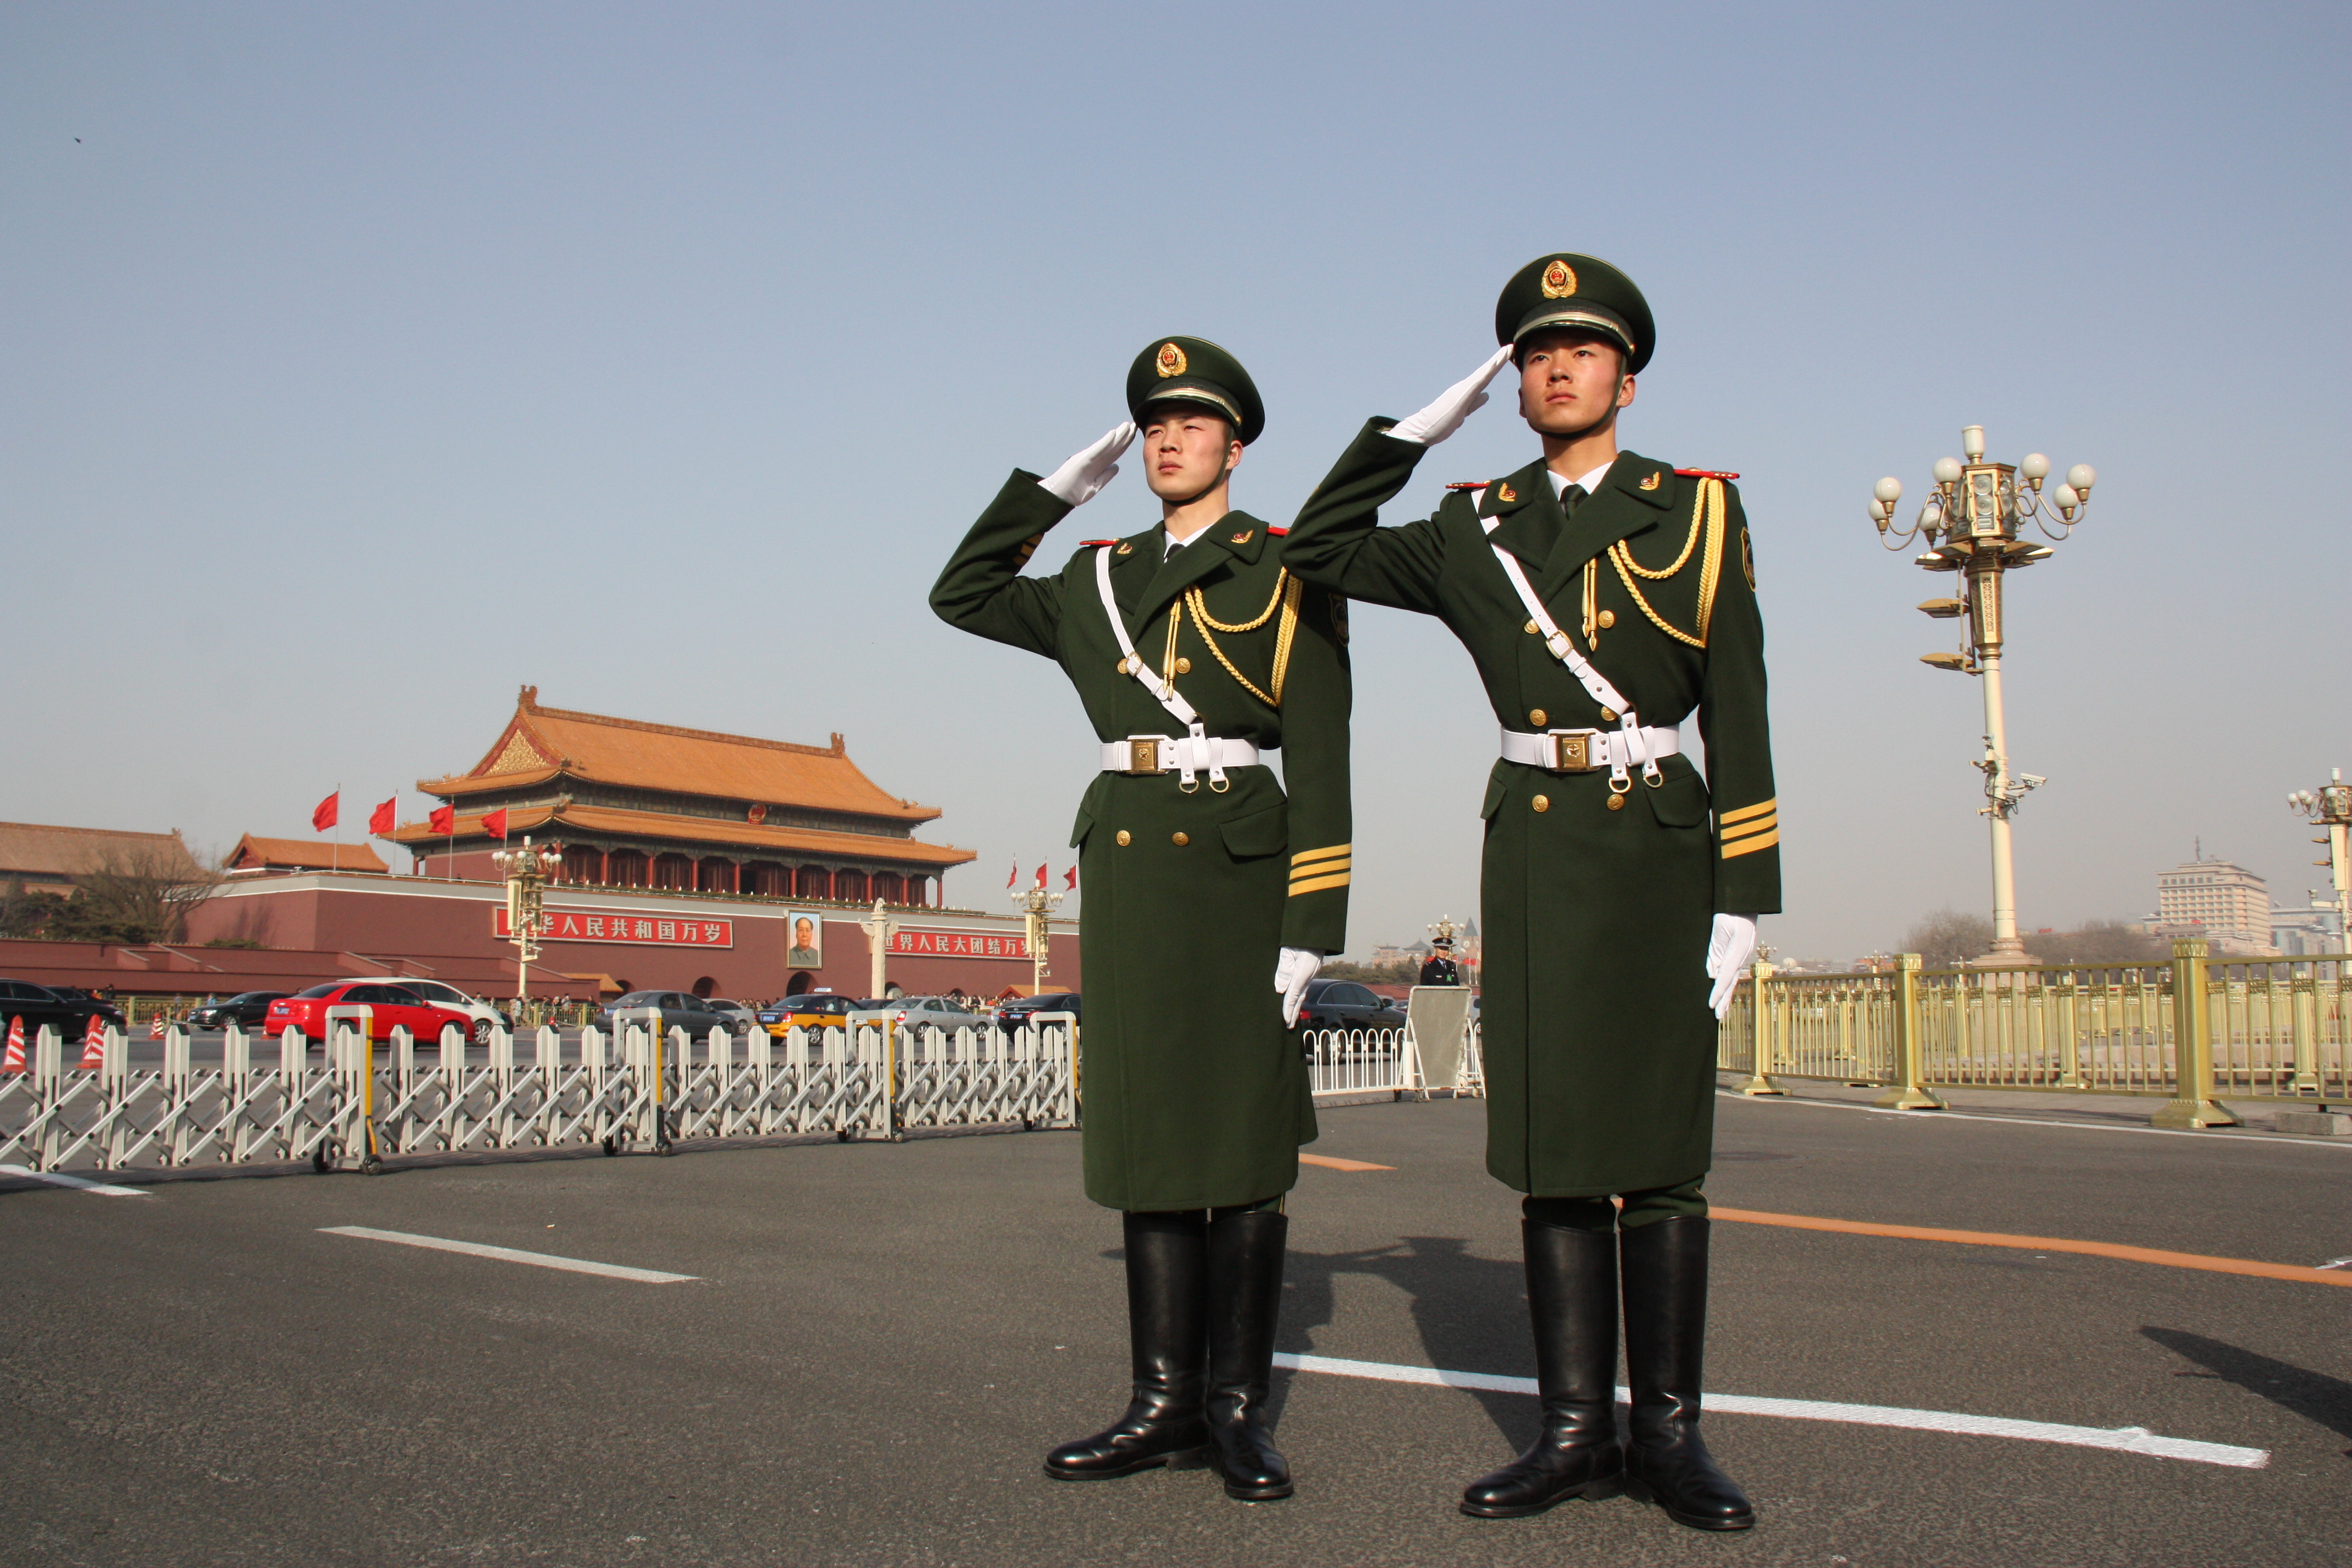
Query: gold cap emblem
[1171,360]
[1559,281]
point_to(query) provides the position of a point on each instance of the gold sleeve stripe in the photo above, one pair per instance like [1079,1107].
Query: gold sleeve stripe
[1304,855]
[1745,812]
[1749,846]
[1321,869]
[1749,829]
[1318,884]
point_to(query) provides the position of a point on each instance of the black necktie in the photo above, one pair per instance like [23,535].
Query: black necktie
[1570,498]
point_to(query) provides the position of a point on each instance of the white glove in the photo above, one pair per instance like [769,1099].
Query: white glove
[1292,971]
[1728,949]
[1081,479]
[1463,398]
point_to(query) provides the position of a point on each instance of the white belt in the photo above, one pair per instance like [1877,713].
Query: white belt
[1589,750]
[1210,754]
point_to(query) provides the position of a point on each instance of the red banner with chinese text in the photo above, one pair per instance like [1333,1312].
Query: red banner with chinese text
[958,944]
[620,925]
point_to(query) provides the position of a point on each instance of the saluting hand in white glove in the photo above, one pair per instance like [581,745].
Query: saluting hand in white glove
[1081,479]
[1729,947]
[1296,966]
[1463,398]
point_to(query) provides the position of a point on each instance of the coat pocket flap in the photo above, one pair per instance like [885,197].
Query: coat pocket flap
[1266,832]
[1087,807]
[1680,802]
[1495,789]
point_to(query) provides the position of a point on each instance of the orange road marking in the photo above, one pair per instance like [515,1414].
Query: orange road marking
[1329,1163]
[2040,1244]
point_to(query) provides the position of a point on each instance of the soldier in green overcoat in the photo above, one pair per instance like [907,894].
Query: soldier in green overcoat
[1605,597]
[1195,655]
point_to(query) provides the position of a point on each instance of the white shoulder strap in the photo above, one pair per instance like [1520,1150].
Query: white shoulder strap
[1595,684]
[1163,692]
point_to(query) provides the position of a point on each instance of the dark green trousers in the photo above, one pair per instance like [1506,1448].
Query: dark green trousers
[1647,1207]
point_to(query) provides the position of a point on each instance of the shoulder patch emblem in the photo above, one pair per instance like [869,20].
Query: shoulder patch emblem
[1506,493]
[1705,474]
[1126,547]
[1748,559]
[1652,482]
[1170,361]
[1243,536]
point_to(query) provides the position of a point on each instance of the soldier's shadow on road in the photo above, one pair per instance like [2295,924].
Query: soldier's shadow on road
[1471,1312]
[2317,1397]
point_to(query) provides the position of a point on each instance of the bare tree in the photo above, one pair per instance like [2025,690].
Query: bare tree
[2100,941]
[135,895]
[1948,937]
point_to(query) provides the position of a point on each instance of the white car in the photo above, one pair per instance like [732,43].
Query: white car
[485,1016]
[935,1012]
[741,1020]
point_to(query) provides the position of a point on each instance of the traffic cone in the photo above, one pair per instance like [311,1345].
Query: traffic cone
[15,1061]
[155,1030]
[93,1046]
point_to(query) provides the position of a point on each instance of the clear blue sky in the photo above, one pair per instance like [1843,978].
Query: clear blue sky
[367,363]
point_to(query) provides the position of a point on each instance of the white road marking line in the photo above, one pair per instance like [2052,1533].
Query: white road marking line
[2333,1263]
[510,1254]
[2275,1141]
[78,1183]
[2124,1439]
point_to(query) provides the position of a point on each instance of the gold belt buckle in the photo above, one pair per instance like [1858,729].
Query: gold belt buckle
[1573,754]
[1143,756]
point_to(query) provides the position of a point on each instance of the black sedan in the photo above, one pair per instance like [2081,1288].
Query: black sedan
[62,1008]
[1012,1014]
[1344,1005]
[247,1010]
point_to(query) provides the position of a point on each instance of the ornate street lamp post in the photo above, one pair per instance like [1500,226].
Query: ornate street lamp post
[2330,805]
[1972,521]
[1035,903]
[526,870]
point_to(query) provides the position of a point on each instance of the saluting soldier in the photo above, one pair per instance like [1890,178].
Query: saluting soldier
[1604,596]
[1195,654]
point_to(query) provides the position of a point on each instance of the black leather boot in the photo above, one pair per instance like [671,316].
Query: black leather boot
[1666,1462]
[1244,1299]
[1167,1257]
[1572,1296]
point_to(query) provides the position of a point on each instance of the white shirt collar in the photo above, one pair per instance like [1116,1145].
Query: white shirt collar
[1592,482]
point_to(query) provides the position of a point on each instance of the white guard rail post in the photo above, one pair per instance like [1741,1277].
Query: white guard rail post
[354,1065]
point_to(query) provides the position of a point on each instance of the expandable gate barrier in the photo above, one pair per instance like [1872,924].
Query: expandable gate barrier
[640,1085]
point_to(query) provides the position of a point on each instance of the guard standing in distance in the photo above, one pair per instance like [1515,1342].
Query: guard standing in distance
[1194,652]
[1603,596]
[1439,968]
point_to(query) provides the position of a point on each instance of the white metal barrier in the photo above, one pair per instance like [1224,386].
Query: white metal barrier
[865,1077]
[1351,1061]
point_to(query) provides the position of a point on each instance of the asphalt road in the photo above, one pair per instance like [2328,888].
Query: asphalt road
[881,1341]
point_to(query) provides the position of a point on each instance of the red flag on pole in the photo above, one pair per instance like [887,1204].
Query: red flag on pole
[442,819]
[1041,876]
[1012,878]
[324,817]
[380,820]
[1070,880]
[496,822]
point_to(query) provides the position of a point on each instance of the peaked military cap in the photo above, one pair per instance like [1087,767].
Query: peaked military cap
[1194,370]
[1565,289]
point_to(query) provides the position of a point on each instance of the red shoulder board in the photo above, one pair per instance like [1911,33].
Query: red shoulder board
[1705,474]
[1277,532]
[1094,543]
[1468,485]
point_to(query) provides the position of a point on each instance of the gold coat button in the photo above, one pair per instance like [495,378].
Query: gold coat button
[1607,618]
[1532,630]
[1609,715]
[1541,803]
[1180,838]
[1183,667]
[1616,803]
[1537,716]
[1122,838]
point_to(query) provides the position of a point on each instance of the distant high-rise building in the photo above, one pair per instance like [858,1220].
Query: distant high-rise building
[2223,902]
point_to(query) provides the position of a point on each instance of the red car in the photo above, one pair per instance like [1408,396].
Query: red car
[392,1004]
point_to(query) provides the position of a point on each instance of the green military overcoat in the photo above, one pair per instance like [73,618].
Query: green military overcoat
[1195,1094]
[1599,1045]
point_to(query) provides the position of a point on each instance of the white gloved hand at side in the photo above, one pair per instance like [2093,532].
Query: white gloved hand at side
[1081,479]
[1729,948]
[1292,971]
[1458,403]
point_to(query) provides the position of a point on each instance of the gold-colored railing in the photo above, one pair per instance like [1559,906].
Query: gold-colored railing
[2251,1028]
